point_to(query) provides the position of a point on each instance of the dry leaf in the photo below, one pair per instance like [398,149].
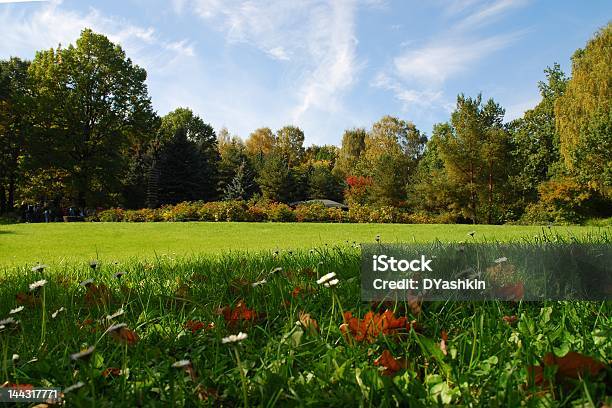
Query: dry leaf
[308,323]
[391,364]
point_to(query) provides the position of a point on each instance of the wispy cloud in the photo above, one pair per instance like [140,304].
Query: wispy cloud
[417,75]
[22,1]
[53,24]
[316,38]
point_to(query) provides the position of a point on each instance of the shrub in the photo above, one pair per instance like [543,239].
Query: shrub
[311,212]
[280,212]
[111,215]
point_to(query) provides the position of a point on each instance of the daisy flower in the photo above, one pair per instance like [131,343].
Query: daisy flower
[326,278]
[83,354]
[86,282]
[94,264]
[116,327]
[115,315]
[181,364]
[331,283]
[258,283]
[74,387]
[38,268]
[16,310]
[37,284]
[58,311]
[7,321]
[501,260]
[118,275]
[234,338]
[15,358]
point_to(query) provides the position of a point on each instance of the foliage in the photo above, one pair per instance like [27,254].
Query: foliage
[344,352]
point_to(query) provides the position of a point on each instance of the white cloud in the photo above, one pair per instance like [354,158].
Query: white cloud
[490,13]
[316,38]
[25,32]
[434,63]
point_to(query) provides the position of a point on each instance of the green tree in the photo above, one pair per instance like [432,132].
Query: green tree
[276,179]
[14,127]
[90,104]
[353,146]
[535,141]
[475,154]
[323,183]
[393,149]
[290,145]
[583,112]
[193,177]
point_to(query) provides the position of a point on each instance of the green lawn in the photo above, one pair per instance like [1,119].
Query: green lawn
[54,243]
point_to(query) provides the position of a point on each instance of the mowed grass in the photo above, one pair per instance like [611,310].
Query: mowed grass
[58,242]
[181,308]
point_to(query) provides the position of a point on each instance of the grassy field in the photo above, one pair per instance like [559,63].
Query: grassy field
[58,242]
[178,311]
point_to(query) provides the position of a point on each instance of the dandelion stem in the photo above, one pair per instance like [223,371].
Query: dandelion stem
[242,378]
[43,322]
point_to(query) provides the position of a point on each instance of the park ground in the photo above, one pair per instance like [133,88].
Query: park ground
[54,243]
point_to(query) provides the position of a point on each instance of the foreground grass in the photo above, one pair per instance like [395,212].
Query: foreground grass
[282,363]
[58,242]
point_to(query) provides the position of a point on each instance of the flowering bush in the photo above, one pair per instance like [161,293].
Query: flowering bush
[263,210]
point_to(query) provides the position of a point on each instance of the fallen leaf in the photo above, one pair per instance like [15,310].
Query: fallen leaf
[513,292]
[571,366]
[97,295]
[372,325]
[444,336]
[239,313]
[125,335]
[308,323]
[510,319]
[391,364]
[111,372]
[196,325]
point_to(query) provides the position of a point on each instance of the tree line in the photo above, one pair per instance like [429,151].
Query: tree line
[77,129]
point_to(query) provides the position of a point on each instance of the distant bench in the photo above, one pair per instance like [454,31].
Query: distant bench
[73,218]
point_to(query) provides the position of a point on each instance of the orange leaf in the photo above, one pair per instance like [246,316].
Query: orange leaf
[573,365]
[511,292]
[510,319]
[196,325]
[125,335]
[373,325]
[239,313]
[444,336]
[308,323]
[111,372]
[391,364]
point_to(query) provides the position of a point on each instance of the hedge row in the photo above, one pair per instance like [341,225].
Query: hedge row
[242,211]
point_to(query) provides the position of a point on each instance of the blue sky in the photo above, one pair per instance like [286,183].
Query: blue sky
[322,65]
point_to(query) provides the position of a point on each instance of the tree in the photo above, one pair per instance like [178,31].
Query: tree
[474,151]
[90,103]
[195,175]
[323,183]
[276,180]
[14,127]
[393,149]
[583,111]
[353,146]
[242,184]
[535,141]
[260,142]
[290,145]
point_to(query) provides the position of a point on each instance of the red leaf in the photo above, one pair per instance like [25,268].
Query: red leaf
[391,364]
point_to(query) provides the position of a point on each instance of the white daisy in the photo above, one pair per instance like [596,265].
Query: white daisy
[58,311]
[115,315]
[331,283]
[7,321]
[258,283]
[16,310]
[234,338]
[74,387]
[38,284]
[116,327]
[86,282]
[181,364]
[82,354]
[326,277]
[119,274]
[15,358]
[39,268]
[501,260]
